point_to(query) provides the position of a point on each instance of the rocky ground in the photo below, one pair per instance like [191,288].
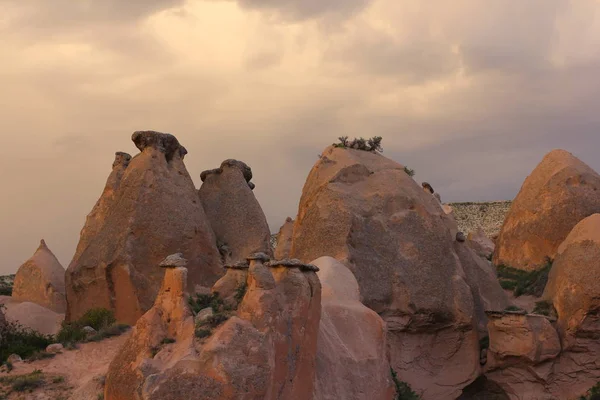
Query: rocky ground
[487,215]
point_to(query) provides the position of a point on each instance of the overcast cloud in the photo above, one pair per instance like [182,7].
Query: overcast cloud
[470,94]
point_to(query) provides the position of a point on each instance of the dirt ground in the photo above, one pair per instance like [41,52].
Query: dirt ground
[71,375]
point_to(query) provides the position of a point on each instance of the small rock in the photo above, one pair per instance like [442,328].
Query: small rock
[54,348]
[89,330]
[14,358]
[483,357]
[203,315]
[460,237]
[427,188]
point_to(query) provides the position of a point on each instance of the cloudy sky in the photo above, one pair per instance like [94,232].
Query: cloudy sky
[469,93]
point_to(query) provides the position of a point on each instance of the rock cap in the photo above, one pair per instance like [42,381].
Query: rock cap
[173,261]
[293,263]
[164,142]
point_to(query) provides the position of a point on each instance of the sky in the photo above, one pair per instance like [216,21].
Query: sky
[470,94]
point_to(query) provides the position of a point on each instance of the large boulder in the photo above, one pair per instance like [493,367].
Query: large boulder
[573,281]
[33,316]
[480,243]
[365,211]
[41,280]
[264,350]
[352,361]
[559,193]
[234,213]
[149,209]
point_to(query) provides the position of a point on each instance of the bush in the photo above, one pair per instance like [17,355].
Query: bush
[202,301]
[373,144]
[403,390]
[513,309]
[101,319]
[593,393]
[21,383]
[409,172]
[524,282]
[240,292]
[544,308]
[98,318]
[15,339]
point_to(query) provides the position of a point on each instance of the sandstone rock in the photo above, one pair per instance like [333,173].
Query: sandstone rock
[149,209]
[365,211]
[284,239]
[173,261]
[427,188]
[352,360]
[573,281]
[480,243]
[516,338]
[14,359]
[41,280]
[54,348]
[33,316]
[203,315]
[559,193]
[89,330]
[234,213]
[265,350]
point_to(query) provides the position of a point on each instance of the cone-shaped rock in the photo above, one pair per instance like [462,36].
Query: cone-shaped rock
[284,239]
[149,209]
[264,349]
[234,213]
[41,280]
[364,210]
[560,192]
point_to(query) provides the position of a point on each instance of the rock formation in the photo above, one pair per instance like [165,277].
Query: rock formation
[41,280]
[284,239]
[352,362]
[559,193]
[531,356]
[480,243]
[234,213]
[263,350]
[33,316]
[149,208]
[364,210]
[573,281]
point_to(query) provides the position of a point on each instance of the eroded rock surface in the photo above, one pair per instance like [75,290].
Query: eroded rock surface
[149,208]
[352,361]
[364,210]
[560,192]
[284,239]
[41,280]
[264,350]
[234,213]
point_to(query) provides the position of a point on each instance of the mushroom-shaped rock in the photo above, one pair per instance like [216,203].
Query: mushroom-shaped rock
[559,193]
[263,350]
[284,239]
[173,261]
[149,208]
[573,281]
[352,362]
[41,280]
[234,213]
[157,141]
[365,211]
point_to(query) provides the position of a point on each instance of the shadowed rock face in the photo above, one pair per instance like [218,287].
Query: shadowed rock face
[265,350]
[149,209]
[364,210]
[234,213]
[559,193]
[41,280]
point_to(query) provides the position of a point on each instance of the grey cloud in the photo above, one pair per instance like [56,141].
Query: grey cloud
[304,9]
